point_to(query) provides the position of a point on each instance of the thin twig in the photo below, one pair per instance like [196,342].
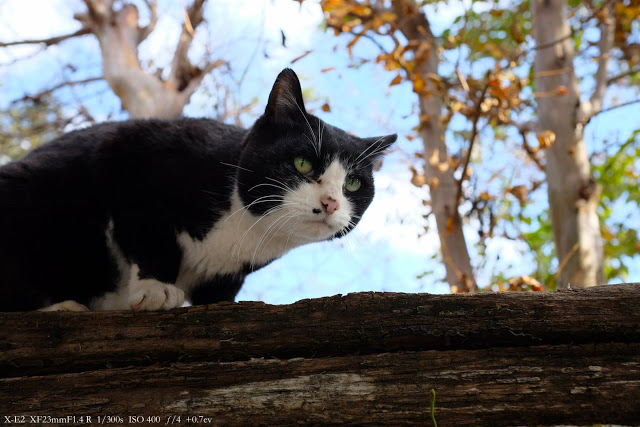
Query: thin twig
[474,134]
[529,150]
[606,110]
[607,30]
[48,41]
[622,75]
[554,42]
[49,91]
[152,5]
[564,262]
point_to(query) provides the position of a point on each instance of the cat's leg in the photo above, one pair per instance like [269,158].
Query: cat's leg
[218,288]
[68,305]
[156,254]
[149,294]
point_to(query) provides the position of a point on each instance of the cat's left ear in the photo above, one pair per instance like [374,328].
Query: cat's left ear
[377,146]
[285,101]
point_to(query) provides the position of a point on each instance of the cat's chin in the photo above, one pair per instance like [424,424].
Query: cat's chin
[318,230]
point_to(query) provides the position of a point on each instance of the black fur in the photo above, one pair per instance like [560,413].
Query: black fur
[152,179]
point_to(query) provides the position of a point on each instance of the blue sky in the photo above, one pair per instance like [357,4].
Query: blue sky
[384,253]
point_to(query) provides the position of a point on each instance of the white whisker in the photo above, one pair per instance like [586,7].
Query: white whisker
[356,162]
[256,201]
[286,245]
[310,128]
[312,143]
[280,182]
[266,184]
[264,235]
[236,166]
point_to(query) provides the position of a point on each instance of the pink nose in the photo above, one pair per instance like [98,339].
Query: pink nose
[329,204]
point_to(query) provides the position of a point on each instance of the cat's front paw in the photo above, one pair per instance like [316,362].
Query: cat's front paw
[156,296]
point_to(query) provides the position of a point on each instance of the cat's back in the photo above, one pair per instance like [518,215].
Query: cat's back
[81,151]
[143,135]
[76,167]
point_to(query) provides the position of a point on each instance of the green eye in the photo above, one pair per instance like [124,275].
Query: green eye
[303,165]
[352,184]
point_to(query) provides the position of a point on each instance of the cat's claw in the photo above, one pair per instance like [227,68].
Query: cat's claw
[156,296]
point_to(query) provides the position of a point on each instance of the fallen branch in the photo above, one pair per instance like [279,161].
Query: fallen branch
[369,358]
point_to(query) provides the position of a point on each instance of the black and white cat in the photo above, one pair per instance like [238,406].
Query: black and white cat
[145,213]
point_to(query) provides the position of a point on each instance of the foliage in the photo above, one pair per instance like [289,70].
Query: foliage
[25,125]
[487,82]
[618,175]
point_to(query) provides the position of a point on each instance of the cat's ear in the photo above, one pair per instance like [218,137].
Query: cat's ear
[377,146]
[285,101]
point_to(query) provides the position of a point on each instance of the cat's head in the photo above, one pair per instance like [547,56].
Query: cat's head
[315,176]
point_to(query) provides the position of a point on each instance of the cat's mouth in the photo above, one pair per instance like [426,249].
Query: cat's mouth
[320,229]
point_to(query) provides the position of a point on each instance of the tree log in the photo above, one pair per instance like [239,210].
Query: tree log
[569,357]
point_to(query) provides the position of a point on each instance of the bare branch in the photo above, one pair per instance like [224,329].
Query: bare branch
[474,135]
[180,66]
[607,32]
[195,80]
[99,10]
[48,41]
[622,75]
[554,42]
[373,40]
[606,110]
[36,97]
[153,20]
[530,151]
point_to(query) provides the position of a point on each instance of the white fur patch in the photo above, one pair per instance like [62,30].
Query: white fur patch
[316,227]
[151,295]
[117,300]
[238,238]
[68,305]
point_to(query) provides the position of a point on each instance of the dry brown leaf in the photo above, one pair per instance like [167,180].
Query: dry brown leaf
[485,196]
[520,192]
[516,283]
[417,178]
[301,56]
[396,80]
[546,138]
[450,225]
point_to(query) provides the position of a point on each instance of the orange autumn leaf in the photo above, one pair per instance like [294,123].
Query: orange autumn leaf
[396,80]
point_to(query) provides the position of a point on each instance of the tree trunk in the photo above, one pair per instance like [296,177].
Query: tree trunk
[438,172]
[567,357]
[142,94]
[572,191]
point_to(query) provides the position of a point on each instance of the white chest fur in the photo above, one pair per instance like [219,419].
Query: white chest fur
[239,238]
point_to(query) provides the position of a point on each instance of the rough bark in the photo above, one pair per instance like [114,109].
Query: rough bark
[442,184]
[573,193]
[569,357]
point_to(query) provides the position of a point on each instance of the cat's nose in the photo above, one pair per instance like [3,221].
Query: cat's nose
[329,204]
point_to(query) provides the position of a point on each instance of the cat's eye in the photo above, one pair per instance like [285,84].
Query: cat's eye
[352,184]
[304,166]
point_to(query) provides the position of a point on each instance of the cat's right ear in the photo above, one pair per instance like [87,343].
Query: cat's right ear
[285,101]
